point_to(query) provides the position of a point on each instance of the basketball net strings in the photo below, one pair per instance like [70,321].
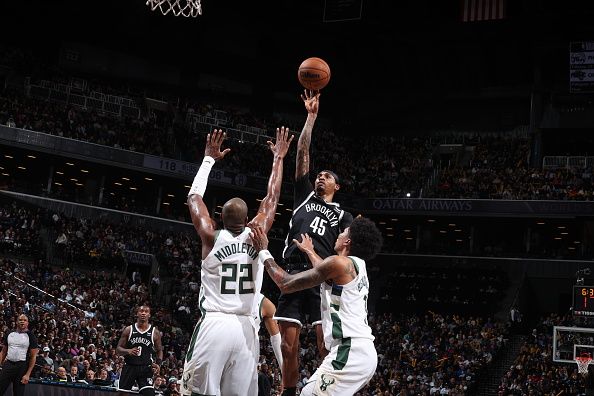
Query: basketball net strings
[192,8]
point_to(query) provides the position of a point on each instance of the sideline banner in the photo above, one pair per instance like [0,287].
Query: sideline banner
[470,207]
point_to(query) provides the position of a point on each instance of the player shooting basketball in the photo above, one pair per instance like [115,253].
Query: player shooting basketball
[315,214]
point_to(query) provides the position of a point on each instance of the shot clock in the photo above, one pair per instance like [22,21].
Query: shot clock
[583,300]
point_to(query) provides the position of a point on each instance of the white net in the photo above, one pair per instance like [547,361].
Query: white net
[186,8]
[583,363]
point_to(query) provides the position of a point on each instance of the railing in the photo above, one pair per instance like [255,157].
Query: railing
[562,161]
[76,84]
[199,123]
[57,92]
[112,216]
[112,99]
[431,182]
[447,136]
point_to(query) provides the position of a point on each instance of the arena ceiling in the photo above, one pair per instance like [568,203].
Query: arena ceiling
[410,54]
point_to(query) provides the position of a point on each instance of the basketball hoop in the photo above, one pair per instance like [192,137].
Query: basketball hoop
[186,8]
[583,362]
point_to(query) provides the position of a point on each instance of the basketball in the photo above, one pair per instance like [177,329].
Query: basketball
[314,73]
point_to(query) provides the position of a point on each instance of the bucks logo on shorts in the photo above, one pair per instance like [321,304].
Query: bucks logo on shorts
[186,379]
[325,382]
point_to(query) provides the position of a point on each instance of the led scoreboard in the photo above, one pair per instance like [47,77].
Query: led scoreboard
[583,300]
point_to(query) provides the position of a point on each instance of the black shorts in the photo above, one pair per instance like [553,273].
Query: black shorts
[299,307]
[139,375]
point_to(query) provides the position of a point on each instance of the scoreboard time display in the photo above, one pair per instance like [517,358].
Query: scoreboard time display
[583,300]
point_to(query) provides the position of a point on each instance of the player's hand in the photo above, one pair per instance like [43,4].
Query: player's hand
[25,379]
[213,145]
[311,99]
[134,351]
[259,238]
[283,141]
[306,244]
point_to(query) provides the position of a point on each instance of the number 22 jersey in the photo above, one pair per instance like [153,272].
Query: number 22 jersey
[230,274]
[322,220]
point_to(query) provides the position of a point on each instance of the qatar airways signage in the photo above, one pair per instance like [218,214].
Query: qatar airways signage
[472,207]
[423,205]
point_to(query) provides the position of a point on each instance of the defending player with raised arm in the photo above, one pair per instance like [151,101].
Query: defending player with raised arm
[314,213]
[230,280]
[140,344]
[352,359]
[264,218]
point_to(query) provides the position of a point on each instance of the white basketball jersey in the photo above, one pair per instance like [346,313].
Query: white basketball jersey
[230,274]
[344,307]
[258,309]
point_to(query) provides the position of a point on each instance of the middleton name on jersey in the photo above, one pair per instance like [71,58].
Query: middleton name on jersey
[236,248]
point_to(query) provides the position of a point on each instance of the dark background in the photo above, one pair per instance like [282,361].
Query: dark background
[404,65]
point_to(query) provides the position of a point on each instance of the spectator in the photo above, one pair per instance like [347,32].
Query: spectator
[47,372]
[264,380]
[155,282]
[47,357]
[160,385]
[90,377]
[62,376]
[74,373]
[103,379]
[136,277]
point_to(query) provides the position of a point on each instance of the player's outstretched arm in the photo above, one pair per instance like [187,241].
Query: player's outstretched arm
[307,247]
[311,99]
[329,268]
[198,210]
[267,210]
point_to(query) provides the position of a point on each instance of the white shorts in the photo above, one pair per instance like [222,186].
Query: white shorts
[222,357]
[345,370]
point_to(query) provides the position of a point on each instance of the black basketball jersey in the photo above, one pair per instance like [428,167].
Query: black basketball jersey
[322,220]
[143,340]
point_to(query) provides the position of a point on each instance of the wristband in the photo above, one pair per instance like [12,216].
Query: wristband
[265,255]
[201,179]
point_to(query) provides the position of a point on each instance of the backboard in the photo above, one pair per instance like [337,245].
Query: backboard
[569,342]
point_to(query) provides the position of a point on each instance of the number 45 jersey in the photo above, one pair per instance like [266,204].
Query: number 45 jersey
[322,220]
[230,274]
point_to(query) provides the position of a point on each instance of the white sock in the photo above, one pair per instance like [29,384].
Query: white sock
[275,340]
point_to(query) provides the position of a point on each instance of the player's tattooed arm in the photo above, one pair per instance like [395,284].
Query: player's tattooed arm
[288,283]
[311,101]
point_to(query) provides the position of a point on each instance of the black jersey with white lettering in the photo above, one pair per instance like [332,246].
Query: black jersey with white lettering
[323,221]
[143,340]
